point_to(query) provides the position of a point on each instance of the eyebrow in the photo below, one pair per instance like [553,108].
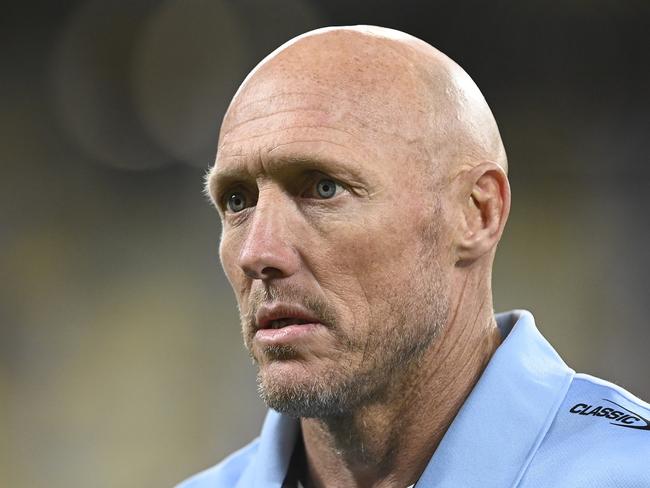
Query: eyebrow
[218,179]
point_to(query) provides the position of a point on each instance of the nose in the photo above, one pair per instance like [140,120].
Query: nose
[267,251]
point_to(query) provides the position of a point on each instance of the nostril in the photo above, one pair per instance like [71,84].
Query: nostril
[251,273]
[270,272]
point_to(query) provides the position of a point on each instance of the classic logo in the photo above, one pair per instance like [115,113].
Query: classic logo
[621,418]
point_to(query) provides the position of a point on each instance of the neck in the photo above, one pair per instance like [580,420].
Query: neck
[389,443]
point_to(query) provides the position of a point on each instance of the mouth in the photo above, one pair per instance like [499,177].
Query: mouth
[278,323]
[284,322]
[280,315]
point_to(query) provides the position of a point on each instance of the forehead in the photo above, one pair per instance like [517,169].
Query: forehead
[271,121]
[283,114]
[280,133]
[358,101]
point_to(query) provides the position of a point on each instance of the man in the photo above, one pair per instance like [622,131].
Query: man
[361,181]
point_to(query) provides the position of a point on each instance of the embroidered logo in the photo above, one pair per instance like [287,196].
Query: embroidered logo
[620,417]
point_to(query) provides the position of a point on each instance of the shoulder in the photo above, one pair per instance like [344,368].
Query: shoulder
[225,474]
[600,437]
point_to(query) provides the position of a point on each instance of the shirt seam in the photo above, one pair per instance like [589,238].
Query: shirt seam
[546,426]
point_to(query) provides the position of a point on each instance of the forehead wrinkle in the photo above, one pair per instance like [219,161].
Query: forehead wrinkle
[241,106]
[370,93]
[372,124]
[347,129]
[232,127]
[227,142]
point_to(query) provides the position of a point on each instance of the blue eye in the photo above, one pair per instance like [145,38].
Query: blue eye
[236,201]
[326,188]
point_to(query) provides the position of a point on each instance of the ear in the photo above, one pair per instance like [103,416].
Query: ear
[485,205]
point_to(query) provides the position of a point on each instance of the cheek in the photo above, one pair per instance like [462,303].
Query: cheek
[228,255]
[378,246]
[365,263]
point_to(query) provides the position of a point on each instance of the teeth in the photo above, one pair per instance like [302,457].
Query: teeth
[279,323]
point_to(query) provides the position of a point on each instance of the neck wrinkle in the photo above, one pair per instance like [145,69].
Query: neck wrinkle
[389,444]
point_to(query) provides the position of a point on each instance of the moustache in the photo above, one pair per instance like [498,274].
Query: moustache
[287,294]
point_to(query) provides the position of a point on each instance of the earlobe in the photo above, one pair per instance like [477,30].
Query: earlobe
[486,209]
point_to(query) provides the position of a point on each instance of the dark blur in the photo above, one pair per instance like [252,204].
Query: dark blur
[121,362]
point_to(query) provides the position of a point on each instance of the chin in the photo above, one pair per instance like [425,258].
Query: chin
[288,376]
[290,388]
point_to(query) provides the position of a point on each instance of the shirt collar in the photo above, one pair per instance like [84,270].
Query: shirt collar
[501,424]
[494,434]
[271,461]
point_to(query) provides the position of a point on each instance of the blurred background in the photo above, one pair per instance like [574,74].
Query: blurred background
[121,363]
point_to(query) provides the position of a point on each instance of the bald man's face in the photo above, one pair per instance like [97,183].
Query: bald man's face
[333,235]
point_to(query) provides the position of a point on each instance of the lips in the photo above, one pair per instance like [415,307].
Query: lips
[278,316]
[283,324]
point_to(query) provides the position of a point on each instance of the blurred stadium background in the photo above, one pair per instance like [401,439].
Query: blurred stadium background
[121,363]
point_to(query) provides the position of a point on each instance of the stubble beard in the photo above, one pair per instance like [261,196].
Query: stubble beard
[417,314]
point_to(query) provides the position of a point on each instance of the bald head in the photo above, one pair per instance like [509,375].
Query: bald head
[388,81]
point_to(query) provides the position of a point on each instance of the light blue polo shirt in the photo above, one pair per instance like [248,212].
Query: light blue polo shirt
[530,422]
